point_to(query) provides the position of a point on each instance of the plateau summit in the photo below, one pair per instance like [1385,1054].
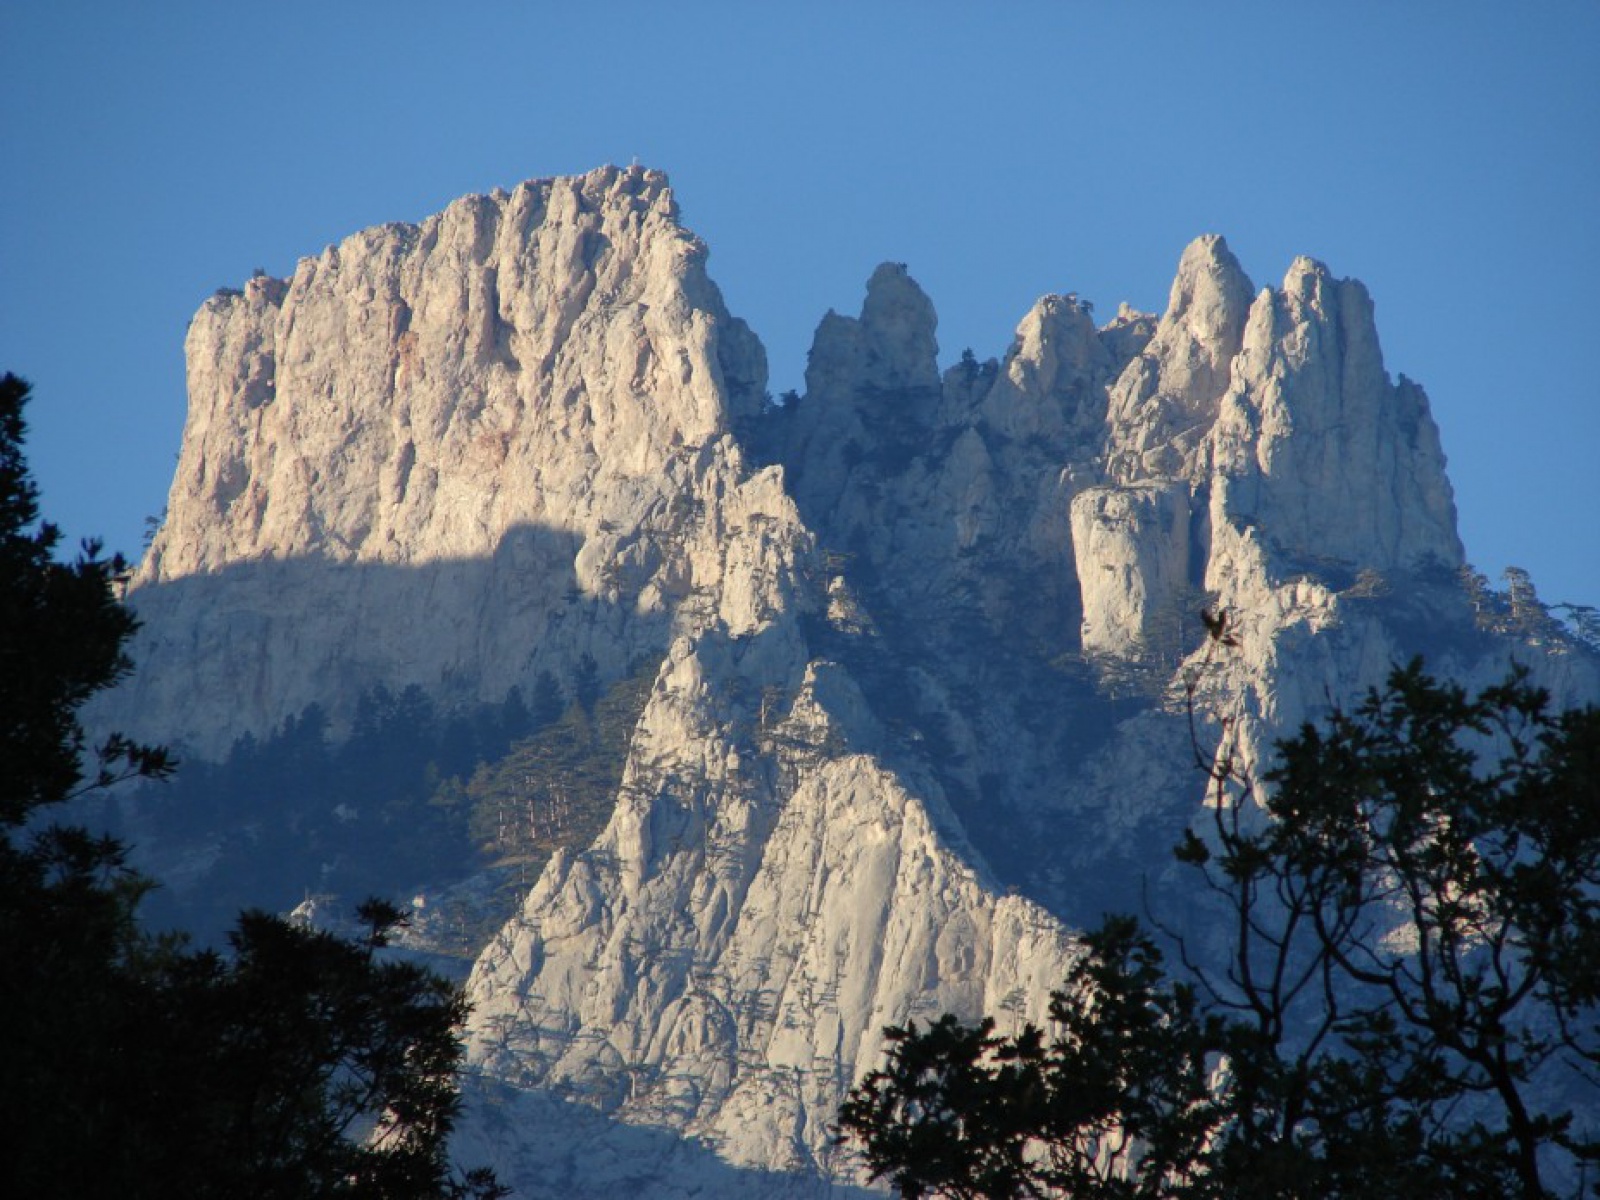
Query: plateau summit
[912,647]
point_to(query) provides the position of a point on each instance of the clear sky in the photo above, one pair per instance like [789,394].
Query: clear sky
[1447,154]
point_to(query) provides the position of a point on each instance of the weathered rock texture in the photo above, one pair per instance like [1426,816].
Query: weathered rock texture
[918,634]
[446,454]
[1138,535]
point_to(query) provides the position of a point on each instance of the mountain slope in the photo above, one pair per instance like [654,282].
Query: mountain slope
[921,641]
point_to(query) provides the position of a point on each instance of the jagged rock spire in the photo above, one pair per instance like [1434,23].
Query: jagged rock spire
[1316,448]
[1167,398]
[874,769]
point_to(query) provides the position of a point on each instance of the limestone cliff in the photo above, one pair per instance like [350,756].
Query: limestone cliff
[917,639]
[444,454]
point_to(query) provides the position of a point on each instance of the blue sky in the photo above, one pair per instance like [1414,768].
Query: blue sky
[1447,154]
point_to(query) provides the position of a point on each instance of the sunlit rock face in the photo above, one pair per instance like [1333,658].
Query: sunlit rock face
[1316,446]
[1132,556]
[447,454]
[420,390]
[919,639]
[1163,405]
[723,960]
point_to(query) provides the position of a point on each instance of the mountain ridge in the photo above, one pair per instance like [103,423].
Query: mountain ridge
[924,638]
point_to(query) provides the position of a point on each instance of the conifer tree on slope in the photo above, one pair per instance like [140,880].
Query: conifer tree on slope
[298,1065]
[1406,1004]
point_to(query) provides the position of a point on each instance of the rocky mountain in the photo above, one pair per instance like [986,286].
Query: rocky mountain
[472,448]
[922,644]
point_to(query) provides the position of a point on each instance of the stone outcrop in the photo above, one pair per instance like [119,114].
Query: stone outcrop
[1164,404]
[726,955]
[1137,538]
[922,638]
[446,454]
[1314,439]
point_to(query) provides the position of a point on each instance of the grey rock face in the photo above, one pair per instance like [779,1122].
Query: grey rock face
[1312,432]
[921,638]
[1166,400]
[448,454]
[1137,537]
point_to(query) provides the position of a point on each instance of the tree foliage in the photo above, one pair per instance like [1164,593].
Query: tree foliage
[557,787]
[63,635]
[1116,1103]
[1400,995]
[296,1065]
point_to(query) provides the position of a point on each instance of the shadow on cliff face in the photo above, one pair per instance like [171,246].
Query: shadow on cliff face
[973,661]
[240,651]
[325,658]
[545,1147]
[333,719]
